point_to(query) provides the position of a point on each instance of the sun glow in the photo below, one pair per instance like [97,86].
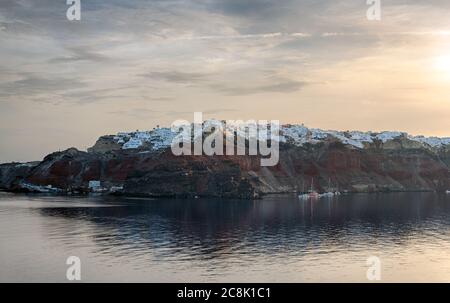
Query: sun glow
[442,63]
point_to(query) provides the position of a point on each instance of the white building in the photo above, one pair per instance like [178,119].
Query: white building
[94,184]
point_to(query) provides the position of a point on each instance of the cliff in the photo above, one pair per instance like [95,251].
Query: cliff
[142,164]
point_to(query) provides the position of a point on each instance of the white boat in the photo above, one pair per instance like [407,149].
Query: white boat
[327,194]
[330,193]
[447,192]
[311,194]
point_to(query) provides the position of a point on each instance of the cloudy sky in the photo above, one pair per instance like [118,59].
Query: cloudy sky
[134,64]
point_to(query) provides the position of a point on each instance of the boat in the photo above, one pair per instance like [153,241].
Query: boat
[311,194]
[330,193]
[327,194]
[447,192]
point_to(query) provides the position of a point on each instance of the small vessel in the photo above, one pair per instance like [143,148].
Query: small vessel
[311,194]
[328,194]
[447,192]
[331,192]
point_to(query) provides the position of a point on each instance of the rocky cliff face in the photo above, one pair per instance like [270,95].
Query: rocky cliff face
[12,173]
[353,163]
[131,173]
[369,170]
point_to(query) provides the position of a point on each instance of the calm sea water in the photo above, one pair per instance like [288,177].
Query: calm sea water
[277,239]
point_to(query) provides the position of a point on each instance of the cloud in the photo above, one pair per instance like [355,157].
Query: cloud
[230,86]
[86,95]
[139,113]
[145,113]
[162,99]
[80,54]
[9,4]
[214,111]
[31,84]
[131,57]
[17,28]
[244,7]
[177,76]
[278,85]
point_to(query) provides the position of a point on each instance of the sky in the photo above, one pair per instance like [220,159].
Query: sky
[135,64]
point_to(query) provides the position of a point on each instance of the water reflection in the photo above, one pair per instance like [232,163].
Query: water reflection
[211,228]
[219,236]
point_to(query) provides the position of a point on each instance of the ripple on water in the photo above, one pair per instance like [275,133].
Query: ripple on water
[276,239]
